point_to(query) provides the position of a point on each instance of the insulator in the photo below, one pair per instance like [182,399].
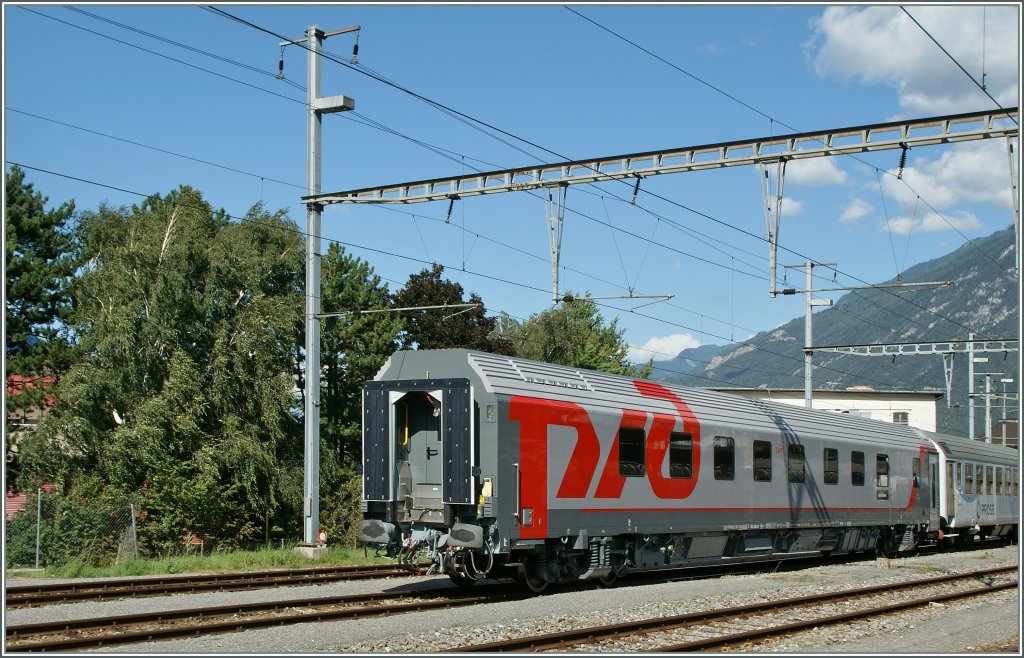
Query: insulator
[903,160]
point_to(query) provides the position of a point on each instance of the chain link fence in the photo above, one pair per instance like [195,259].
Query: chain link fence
[55,530]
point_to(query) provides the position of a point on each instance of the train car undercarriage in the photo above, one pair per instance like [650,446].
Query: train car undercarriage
[466,556]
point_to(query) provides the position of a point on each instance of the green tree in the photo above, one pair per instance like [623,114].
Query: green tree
[354,346]
[183,397]
[40,259]
[573,334]
[442,328]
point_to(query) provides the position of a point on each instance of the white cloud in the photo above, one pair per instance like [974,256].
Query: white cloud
[854,211]
[814,172]
[662,348]
[882,45]
[791,207]
[975,172]
[932,223]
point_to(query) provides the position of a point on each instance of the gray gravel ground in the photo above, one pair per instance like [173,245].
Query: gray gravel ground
[966,626]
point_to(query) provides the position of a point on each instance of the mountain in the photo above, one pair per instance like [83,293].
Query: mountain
[694,359]
[984,299]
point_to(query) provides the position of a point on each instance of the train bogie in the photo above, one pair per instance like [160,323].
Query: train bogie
[488,465]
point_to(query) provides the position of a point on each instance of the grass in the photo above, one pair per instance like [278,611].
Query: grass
[216,562]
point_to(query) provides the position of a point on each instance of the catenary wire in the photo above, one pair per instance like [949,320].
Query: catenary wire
[953,59]
[367,121]
[774,120]
[951,225]
[422,98]
[296,229]
[302,187]
[372,123]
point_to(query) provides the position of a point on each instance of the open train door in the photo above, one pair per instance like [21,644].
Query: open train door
[418,443]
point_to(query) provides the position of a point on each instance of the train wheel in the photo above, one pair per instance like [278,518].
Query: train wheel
[530,581]
[462,582]
[607,580]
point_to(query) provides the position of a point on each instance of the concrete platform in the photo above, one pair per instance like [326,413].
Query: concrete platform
[311,551]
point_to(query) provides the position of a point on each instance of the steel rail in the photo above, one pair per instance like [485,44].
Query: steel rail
[100,590]
[112,631]
[563,639]
[724,641]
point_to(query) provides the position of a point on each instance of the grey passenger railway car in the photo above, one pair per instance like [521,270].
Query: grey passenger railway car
[491,465]
[979,486]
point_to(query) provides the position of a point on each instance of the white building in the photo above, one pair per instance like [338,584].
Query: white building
[915,408]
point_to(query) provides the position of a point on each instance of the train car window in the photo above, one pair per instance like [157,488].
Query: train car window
[968,478]
[796,463]
[988,480]
[960,474]
[725,456]
[680,455]
[831,466]
[882,470]
[1016,481]
[915,470]
[999,481]
[762,461]
[857,468]
[631,452]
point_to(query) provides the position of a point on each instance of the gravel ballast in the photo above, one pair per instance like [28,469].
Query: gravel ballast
[978,624]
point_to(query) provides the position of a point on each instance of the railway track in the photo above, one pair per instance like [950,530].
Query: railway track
[78,634]
[21,596]
[741,626]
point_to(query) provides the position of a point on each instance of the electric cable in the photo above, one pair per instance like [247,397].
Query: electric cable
[953,59]
[294,228]
[436,104]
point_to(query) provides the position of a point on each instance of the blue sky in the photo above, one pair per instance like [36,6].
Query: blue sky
[548,75]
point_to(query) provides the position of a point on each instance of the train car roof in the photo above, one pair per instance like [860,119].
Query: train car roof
[514,376]
[963,449]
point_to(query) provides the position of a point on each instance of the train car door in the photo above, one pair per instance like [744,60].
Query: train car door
[933,490]
[418,443]
[418,458]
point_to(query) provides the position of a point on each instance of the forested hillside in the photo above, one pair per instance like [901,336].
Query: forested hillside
[984,299]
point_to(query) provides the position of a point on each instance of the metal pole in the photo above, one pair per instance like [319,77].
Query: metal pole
[808,353]
[988,408]
[970,386]
[1016,204]
[39,520]
[135,531]
[311,470]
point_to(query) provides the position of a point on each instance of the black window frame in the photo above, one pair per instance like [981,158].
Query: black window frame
[632,443]
[857,468]
[680,456]
[762,463]
[880,471]
[831,475]
[723,470]
[796,463]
